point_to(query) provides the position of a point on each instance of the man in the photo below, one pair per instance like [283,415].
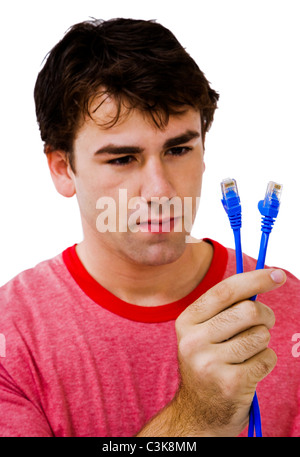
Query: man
[134,330]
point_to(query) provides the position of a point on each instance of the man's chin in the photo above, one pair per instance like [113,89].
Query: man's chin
[157,254]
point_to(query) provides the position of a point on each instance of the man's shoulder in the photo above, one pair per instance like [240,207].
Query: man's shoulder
[32,283]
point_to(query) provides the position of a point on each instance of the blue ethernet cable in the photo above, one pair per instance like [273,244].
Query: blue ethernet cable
[268,208]
[232,205]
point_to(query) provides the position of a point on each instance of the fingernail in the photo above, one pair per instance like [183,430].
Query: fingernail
[278,276]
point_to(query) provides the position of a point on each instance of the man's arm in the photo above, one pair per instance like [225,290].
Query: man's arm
[19,417]
[223,353]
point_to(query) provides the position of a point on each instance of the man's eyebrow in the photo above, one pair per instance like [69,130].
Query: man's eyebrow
[181,139]
[170,143]
[114,149]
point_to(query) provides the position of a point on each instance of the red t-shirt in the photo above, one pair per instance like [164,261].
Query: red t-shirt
[79,361]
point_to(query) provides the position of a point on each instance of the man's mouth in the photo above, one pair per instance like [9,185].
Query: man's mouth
[157,225]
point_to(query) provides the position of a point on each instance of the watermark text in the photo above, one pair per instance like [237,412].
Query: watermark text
[138,215]
[2,345]
[296,346]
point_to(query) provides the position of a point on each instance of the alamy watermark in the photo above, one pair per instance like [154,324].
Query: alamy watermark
[296,346]
[2,345]
[135,214]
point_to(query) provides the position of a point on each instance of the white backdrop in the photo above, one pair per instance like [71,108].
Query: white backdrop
[249,51]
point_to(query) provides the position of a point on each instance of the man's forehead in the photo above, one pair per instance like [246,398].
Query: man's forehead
[134,131]
[106,111]
[103,109]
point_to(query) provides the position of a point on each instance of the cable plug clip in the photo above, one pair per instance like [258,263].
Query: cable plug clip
[269,207]
[231,202]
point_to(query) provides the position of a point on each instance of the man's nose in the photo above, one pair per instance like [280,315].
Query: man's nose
[156,181]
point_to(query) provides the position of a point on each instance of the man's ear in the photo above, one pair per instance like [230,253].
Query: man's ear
[61,173]
[203,142]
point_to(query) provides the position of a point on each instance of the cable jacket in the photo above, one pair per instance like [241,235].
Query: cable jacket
[254,419]
[238,251]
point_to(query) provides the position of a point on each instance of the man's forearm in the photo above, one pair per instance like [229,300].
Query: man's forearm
[163,424]
[170,421]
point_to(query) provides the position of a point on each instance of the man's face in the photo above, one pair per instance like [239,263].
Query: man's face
[151,168]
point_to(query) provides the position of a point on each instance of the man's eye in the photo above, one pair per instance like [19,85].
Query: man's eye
[179,150]
[124,160]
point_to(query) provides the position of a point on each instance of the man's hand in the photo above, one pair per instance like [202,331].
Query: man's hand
[223,353]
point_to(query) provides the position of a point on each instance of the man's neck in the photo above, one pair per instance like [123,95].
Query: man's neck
[147,285]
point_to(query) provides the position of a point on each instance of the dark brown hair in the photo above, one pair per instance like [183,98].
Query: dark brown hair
[136,61]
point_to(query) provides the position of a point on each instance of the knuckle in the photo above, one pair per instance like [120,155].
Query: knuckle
[271,317]
[264,335]
[184,348]
[259,313]
[203,366]
[189,345]
[261,336]
[223,292]
[260,369]
[272,357]
[252,310]
[264,365]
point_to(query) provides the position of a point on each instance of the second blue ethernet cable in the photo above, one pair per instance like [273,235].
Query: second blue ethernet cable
[268,208]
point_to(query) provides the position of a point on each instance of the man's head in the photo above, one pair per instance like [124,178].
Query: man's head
[122,106]
[139,63]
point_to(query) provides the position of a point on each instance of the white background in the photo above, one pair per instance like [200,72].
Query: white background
[249,51]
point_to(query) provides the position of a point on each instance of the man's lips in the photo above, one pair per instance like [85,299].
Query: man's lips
[158,225]
[158,221]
